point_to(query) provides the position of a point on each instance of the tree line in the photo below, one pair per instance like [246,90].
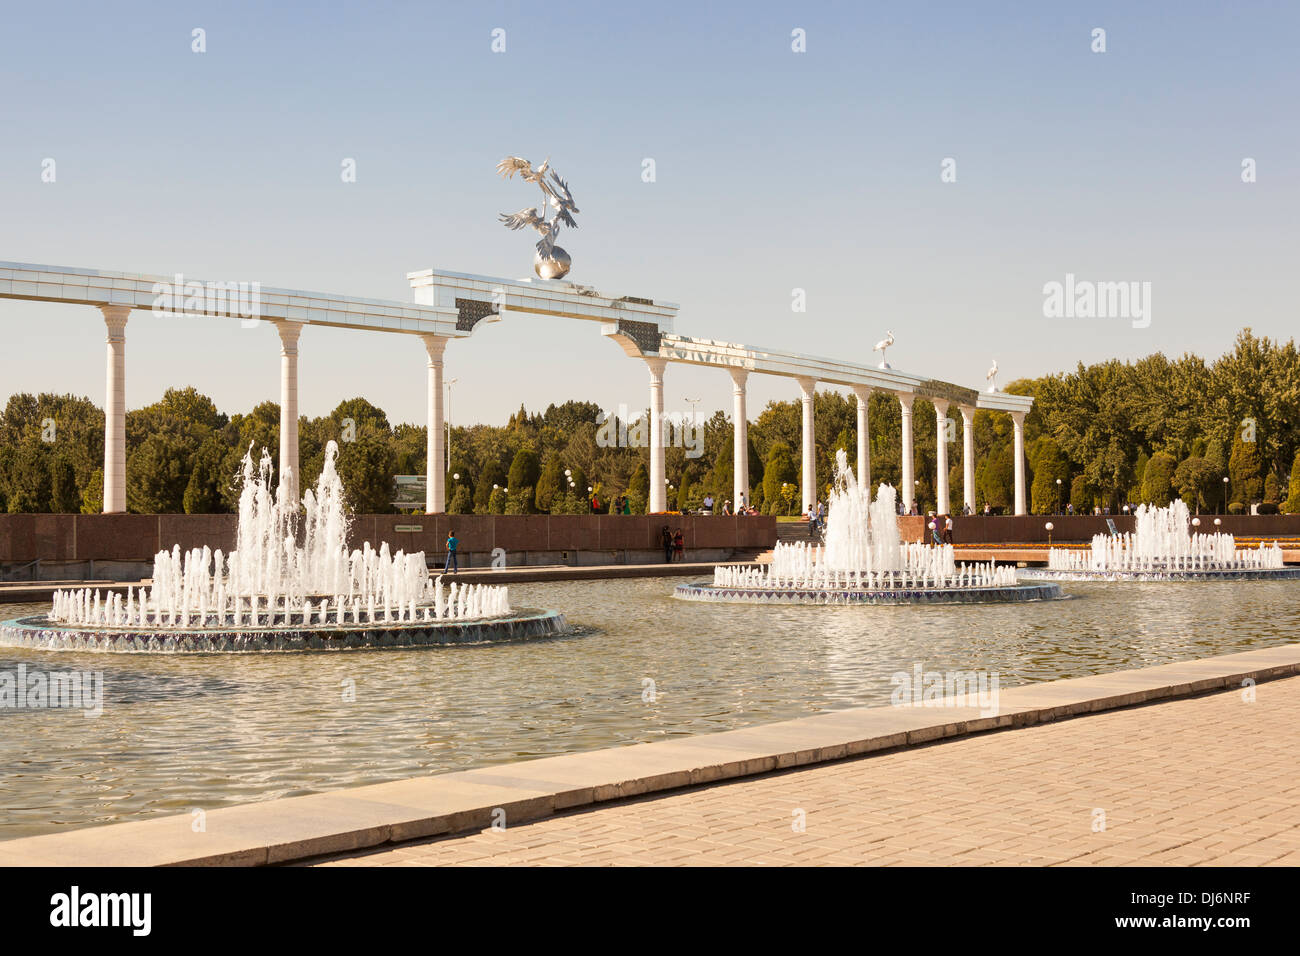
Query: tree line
[1101,436]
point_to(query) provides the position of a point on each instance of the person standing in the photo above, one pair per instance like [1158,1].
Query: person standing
[679,545]
[666,537]
[947,529]
[452,562]
[708,504]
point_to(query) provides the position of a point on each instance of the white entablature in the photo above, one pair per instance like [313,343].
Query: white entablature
[448,306]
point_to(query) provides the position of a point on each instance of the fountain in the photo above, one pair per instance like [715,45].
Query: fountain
[863,561]
[274,593]
[1164,547]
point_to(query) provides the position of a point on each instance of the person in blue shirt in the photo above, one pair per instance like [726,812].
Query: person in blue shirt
[452,563]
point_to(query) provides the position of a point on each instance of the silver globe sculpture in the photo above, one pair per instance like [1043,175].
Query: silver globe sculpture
[550,261]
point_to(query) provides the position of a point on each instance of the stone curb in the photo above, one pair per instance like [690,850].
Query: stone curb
[297,828]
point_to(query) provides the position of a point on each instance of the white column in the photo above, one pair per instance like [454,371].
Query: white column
[908,490]
[115,317]
[435,473]
[941,455]
[740,443]
[863,394]
[968,457]
[658,480]
[808,387]
[1018,421]
[289,332]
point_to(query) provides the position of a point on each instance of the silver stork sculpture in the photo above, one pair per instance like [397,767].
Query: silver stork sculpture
[883,344]
[550,262]
[992,376]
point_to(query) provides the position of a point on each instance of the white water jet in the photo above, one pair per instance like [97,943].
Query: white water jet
[863,551]
[1163,542]
[207,589]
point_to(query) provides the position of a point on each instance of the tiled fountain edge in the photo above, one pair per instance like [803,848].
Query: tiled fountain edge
[295,828]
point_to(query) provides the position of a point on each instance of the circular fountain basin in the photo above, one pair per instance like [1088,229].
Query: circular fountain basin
[1216,574]
[1003,594]
[522,624]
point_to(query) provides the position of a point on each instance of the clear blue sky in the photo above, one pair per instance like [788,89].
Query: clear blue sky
[775,171]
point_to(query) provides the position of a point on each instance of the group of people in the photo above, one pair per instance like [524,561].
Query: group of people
[674,545]
[621,506]
[710,506]
[940,528]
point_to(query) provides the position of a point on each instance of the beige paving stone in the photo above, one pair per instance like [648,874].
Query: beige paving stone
[1201,781]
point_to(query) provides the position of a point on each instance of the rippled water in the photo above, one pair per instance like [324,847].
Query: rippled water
[208,730]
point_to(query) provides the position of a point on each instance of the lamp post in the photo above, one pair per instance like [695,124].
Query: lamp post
[1058,495]
[1225,494]
[447,419]
[692,402]
[1050,526]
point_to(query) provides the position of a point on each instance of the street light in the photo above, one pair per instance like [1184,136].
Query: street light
[692,402]
[1050,526]
[447,419]
[1225,494]
[1058,494]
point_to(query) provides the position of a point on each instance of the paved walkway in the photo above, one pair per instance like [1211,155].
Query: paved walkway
[1206,780]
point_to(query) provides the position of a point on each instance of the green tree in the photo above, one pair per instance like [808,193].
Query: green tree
[203,491]
[1245,467]
[1050,465]
[779,471]
[64,498]
[524,471]
[995,481]
[1272,489]
[638,485]
[157,473]
[1292,505]
[1158,482]
[1195,479]
[551,484]
[366,467]
[461,502]
[92,496]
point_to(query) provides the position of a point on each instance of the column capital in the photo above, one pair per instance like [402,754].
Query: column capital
[967,413]
[863,392]
[1018,418]
[115,317]
[435,345]
[905,399]
[289,332]
[940,406]
[738,376]
[807,385]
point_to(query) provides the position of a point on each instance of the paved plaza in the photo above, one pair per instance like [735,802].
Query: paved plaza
[1199,781]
